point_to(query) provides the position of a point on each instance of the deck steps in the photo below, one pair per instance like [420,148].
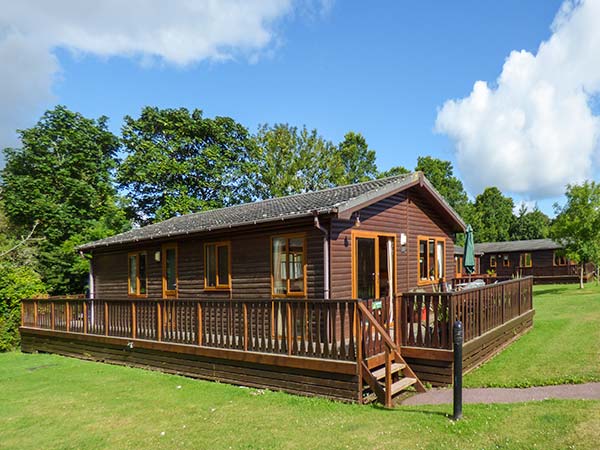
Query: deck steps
[380,373]
[402,384]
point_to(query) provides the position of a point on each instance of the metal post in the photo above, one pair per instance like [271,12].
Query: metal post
[457,385]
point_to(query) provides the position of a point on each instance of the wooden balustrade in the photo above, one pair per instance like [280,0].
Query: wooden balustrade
[298,327]
[427,318]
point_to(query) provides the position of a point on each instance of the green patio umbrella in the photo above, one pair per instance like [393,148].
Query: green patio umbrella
[469,261]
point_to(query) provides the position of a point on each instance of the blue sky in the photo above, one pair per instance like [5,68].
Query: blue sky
[383,70]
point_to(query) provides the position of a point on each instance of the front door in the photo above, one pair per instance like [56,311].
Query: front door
[373,256]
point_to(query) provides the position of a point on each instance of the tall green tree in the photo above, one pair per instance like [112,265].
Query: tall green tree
[577,225]
[61,178]
[441,174]
[178,161]
[356,158]
[393,172]
[530,225]
[492,216]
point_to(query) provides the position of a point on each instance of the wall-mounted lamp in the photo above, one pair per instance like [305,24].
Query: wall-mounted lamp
[357,220]
[402,239]
[157,256]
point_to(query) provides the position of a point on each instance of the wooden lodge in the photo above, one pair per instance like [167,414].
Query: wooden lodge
[344,293]
[543,259]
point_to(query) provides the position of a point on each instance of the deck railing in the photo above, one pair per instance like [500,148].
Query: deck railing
[329,329]
[311,328]
[426,319]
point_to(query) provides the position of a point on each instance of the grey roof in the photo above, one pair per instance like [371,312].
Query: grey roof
[460,250]
[329,201]
[517,246]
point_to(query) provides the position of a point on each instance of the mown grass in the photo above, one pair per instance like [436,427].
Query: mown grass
[563,347]
[49,401]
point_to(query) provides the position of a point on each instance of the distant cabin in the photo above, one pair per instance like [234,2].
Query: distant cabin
[542,258]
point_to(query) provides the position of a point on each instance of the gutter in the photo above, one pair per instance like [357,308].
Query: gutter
[325,232]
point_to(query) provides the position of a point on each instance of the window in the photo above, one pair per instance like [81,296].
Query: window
[525,260]
[505,261]
[560,260]
[169,266]
[216,266]
[137,280]
[459,265]
[493,261]
[431,259]
[288,266]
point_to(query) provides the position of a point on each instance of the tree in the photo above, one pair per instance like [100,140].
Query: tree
[492,216]
[393,172]
[577,225]
[180,162]
[530,225]
[292,160]
[441,175]
[357,160]
[61,178]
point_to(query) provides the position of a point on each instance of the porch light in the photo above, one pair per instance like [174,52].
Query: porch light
[157,256]
[357,220]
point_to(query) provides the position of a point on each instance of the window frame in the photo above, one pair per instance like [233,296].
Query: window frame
[218,286]
[169,293]
[459,265]
[437,278]
[493,261]
[522,259]
[505,261]
[138,286]
[564,259]
[289,236]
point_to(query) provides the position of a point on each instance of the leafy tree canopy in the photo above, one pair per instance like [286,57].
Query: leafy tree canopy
[530,225]
[577,225]
[441,174]
[356,158]
[393,171]
[180,162]
[61,179]
[492,216]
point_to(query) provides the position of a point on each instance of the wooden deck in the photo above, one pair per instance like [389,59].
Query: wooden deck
[342,349]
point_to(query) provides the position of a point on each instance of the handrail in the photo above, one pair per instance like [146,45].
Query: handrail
[384,334]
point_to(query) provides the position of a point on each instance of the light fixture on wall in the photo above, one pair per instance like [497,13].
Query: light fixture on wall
[402,239]
[157,256]
[357,220]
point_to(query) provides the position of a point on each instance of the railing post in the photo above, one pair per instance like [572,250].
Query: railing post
[67,315]
[133,320]
[289,327]
[480,312]
[245,310]
[85,317]
[52,316]
[35,313]
[199,312]
[388,377]
[158,321]
[457,385]
[399,320]
[105,318]
[519,297]
[359,348]
[503,302]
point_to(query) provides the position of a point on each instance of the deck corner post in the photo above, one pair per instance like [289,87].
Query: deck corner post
[359,357]
[67,316]
[85,317]
[457,370]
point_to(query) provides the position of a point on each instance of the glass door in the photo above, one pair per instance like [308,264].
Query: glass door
[366,286]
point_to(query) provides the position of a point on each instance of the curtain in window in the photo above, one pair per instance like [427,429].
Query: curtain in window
[279,266]
[440,259]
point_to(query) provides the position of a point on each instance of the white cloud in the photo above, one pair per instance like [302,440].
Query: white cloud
[533,131]
[179,32]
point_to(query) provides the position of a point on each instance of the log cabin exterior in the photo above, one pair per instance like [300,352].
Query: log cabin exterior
[541,258]
[333,293]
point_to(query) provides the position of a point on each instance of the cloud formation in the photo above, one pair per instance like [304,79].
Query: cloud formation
[178,32]
[533,131]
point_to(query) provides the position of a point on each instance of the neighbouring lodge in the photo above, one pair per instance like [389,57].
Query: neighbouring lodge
[347,293]
[541,258]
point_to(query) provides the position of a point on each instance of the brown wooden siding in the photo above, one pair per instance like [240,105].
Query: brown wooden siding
[406,212]
[542,265]
[250,265]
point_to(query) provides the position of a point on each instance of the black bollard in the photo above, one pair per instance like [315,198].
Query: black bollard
[458,347]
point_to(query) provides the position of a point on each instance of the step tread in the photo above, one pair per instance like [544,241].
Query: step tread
[380,373]
[402,384]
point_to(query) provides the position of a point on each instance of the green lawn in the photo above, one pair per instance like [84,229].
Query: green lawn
[49,401]
[563,347]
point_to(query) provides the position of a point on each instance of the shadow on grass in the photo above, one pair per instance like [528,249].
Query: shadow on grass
[403,409]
